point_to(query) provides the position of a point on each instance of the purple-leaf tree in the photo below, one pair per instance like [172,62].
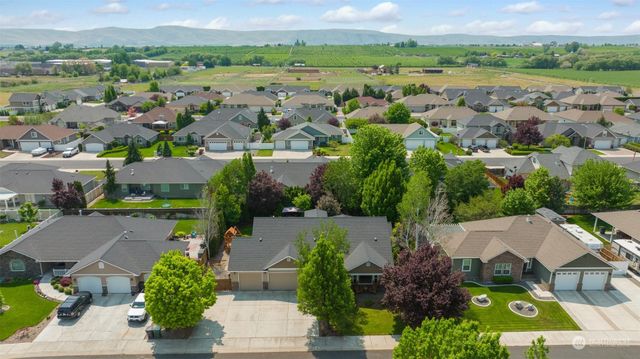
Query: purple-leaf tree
[265,194]
[515,181]
[421,285]
[527,133]
[316,183]
[334,122]
[283,124]
[65,198]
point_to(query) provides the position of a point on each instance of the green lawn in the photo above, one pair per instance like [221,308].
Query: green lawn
[7,232]
[4,154]
[176,151]
[596,152]
[498,317]
[343,149]
[156,203]
[186,225]
[585,221]
[27,308]
[446,147]
[264,153]
[99,175]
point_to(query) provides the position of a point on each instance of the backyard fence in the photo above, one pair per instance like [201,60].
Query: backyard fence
[43,214]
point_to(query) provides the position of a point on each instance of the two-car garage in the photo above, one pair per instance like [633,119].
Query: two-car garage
[591,280]
[275,280]
[114,284]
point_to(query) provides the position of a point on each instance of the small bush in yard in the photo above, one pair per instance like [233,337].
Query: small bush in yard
[60,288]
[502,280]
[68,291]
[180,234]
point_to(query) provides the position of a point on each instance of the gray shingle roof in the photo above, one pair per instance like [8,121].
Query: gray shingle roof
[120,130]
[23,97]
[273,238]
[482,120]
[86,114]
[35,178]
[169,170]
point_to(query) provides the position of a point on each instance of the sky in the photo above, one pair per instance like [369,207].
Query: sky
[413,17]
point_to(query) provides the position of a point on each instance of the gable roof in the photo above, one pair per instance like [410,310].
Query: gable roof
[575,115]
[189,100]
[483,120]
[449,113]
[35,178]
[86,114]
[157,114]
[249,99]
[129,101]
[475,132]
[170,170]
[367,112]
[303,128]
[231,130]
[23,97]
[122,130]
[406,130]
[522,113]
[588,130]
[575,156]
[625,221]
[53,133]
[308,99]
[424,100]
[227,114]
[272,241]
[317,114]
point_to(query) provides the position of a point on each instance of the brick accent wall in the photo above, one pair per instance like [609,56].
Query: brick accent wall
[32,269]
[516,266]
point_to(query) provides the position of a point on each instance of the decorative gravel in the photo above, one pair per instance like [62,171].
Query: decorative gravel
[525,311]
[477,302]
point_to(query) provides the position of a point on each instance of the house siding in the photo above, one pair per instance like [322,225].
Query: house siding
[32,268]
[94,270]
[476,269]
[363,269]
[541,272]
[516,266]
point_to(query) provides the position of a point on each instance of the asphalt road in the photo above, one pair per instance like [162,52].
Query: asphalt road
[564,352]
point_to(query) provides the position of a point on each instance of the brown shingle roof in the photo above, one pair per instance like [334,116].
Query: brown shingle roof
[157,114]
[50,131]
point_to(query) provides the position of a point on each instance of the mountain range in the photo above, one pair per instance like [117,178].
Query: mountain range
[184,36]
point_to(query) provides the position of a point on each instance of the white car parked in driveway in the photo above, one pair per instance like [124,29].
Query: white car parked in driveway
[70,152]
[38,151]
[137,312]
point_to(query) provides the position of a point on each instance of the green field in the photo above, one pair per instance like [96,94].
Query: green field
[8,232]
[156,203]
[622,78]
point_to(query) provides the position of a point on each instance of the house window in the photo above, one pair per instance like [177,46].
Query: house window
[365,279]
[124,188]
[502,269]
[164,187]
[17,265]
[529,265]
[466,265]
[34,134]
[185,186]
[146,186]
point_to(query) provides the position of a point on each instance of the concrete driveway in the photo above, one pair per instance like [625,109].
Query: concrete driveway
[235,315]
[617,309]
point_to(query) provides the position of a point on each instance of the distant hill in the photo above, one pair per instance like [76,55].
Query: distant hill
[177,35]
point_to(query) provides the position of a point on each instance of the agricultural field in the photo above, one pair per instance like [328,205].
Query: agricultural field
[623,78]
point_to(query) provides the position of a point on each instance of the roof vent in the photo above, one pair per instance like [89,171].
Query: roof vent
[260,239]
[270,169]
[375,239]
[529,220]
[132,172]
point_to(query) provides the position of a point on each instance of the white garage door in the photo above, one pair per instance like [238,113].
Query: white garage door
[94,147]
[238,146]
[602,144]
[217,146]
[299,145]
[250,281]
[492,143]
[29,146]
[594,280]
[283,281]
[118,285]
[414,144]
[90,284]
[481,142]
[567,280]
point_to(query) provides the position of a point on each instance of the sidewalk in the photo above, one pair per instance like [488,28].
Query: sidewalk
[289,344]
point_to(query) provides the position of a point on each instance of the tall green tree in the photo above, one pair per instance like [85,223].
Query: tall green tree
[557,140]
[465,181]
[230,185]
[599,185]
[537,350]
[383,190]
[263,119]
[340,180]
[431,162]
[166,150]
[517,202]
[398,113]
[133,154]
[109,94]
[154,86]
[324,288]
[248,167]
[83,200]
[110,186]
[483,206]
[178,291]
[374,145]
[28,213]
[449,338]
[351,106]
[415,200]
[545,190]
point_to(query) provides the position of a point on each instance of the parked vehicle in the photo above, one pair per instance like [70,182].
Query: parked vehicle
[485,149]
[38,151]
[137,312]
[473,148]
[73,306]
[70,152]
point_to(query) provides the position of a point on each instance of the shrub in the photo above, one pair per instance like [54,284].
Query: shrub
[355,123]
[55,280]
[180,234]
[113,150]
[65,281]
[502,279]
[334,144]
[60,288]
[436,130]
[320,152]
[68,291]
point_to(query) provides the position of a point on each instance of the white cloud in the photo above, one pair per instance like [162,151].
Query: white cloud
[170,6]
[218,23]
[623,2]
[390,28]
[112,7]
[185,23]
[383,12]
[633,28]
[40,17]
[608,15]
[489,27]
[606,27]
[459,12]
[163,6]
[544,27]
[267,2]
[523,7]
[441,29]
[280,21]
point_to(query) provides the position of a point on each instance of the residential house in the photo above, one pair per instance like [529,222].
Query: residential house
[31,182]
[609,102]
[158,118]
[536,99]
[590,135]
[232,90]
[367,112]
[180,91]
[154,96]
[424,102]
[86,94]
[53,100]
[308,101]
[479,101]
[413,135]
[307,136]
[549,88]
[632,105]
[624,234]
[366,101]
[580,116]
[228,136]
[24,102]
[79,116]
[316,115]
[553,106]
[477,136]
[519,114]
[285,91]
[599,89]
[119,135]
[591,102]
[253,102]
[447,117]
[450,93]
[124,103]
[561,162]
[27,138]
[489,122]
[189,102]
[628,132]
[268,260]
[237,123]
[101,254]
[526,247]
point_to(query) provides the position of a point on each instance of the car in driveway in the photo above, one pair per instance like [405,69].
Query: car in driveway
[73,306]
[70,152]
[137,312]
[38,151]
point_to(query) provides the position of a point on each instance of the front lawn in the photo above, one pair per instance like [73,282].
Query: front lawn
[176,151]
[446,147]
[27,308]
[373,319]
[498,316]
[342,149]
[99,175]
[156,203]
[264,153]
[4,154]
[8,232]
[597,152]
